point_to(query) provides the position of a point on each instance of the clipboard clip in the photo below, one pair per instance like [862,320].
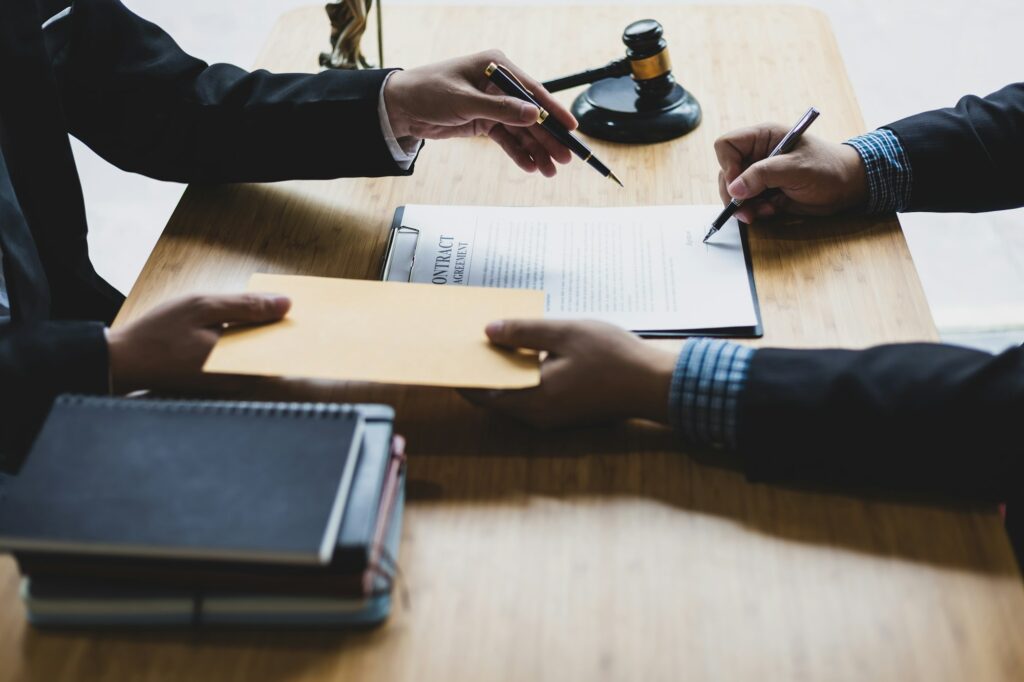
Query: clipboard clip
[400,256]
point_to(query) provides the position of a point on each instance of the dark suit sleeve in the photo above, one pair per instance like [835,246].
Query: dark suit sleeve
[919,417]
[967,158]
[133,96]
[37,363]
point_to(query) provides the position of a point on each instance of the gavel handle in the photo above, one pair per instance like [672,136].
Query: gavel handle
[620,67]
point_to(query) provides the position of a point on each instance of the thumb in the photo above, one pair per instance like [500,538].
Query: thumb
[546,335]
[241,309]
[765,174]
[503,109]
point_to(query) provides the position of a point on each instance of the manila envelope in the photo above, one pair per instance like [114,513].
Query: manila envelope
[387,332]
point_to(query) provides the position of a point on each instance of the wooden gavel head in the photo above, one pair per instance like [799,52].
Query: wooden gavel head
[649,60]
[634,100]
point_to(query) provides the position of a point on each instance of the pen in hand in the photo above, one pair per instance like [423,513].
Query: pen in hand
[506,81]
[787,143]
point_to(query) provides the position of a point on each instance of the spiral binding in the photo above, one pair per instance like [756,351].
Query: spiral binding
[247,407]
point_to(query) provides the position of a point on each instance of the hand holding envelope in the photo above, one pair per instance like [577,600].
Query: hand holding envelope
[417,334]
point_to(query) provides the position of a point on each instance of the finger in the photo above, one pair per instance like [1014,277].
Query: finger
[501,108]
[784,204]
[443,132]
[539,92]
[730,157]
[504,400]
[537,151]
[240,309]
[767,205]
[766,209]
[547,335]
[527,405]
[555,149]
[511,145]
[770,173]
[748,212]
[739,148]
[723,192]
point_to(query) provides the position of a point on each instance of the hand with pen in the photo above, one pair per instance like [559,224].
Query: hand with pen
[815,178]
[455,98]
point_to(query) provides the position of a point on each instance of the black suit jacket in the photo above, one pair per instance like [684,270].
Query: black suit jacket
[123,87]
[922,417]
[967,158]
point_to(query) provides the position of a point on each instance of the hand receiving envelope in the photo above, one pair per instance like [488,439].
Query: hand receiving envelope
[395,333]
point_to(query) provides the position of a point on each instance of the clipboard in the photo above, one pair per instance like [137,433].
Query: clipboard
[400,257]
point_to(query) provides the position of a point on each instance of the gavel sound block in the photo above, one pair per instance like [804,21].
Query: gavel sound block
[634,100]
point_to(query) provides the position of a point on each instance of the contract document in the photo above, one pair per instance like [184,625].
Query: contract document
[642,268]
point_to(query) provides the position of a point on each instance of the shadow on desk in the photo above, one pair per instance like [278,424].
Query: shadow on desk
[459,454]
[282,228]
[647,462]
[213,655]
[472,461]
[845,229]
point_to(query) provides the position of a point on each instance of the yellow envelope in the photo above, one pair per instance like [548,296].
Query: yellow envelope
[388,332]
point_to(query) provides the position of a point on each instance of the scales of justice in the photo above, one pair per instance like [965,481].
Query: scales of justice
[632,100]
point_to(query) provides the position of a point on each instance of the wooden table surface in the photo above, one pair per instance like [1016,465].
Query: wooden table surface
[597,554]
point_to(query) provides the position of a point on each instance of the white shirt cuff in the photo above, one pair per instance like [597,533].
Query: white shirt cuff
[404,151]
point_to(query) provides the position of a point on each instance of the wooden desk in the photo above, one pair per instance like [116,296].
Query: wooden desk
[599,554]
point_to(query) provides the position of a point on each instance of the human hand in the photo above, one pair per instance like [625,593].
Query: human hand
[455,99]
[593,372]
[815,178]
[166,348]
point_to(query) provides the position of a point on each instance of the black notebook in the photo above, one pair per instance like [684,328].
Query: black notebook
[366,512]
[233,481]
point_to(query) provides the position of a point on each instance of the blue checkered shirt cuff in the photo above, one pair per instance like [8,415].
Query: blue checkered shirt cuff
[888,170]
[706,385]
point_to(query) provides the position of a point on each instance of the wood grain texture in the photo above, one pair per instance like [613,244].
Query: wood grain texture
[597,554]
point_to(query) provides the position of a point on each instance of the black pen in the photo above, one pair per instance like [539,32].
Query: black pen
[510,85]
[787,143]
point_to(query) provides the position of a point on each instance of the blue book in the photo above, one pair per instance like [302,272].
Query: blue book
[69,603]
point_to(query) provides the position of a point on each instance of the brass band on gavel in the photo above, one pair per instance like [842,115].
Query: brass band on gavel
[651,67]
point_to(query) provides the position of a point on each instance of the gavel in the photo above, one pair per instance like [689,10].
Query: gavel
[635,99]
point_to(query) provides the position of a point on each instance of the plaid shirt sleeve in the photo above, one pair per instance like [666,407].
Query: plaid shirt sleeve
[706,385]
[888,169]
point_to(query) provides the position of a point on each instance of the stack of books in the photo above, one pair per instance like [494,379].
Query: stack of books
[132,512]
